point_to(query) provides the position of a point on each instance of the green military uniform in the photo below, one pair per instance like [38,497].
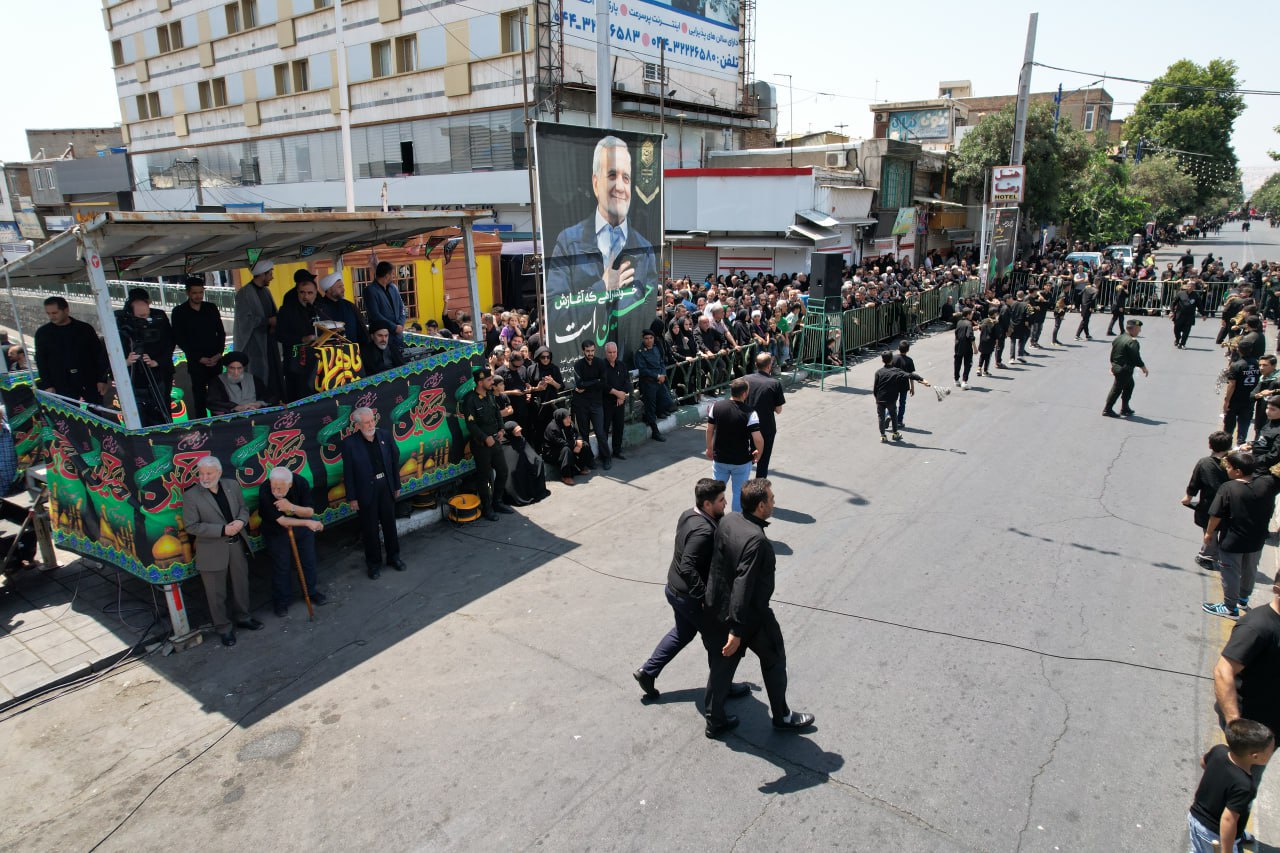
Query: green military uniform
[1126,355]
[484,421]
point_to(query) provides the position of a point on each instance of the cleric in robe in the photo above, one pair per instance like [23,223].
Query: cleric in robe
[601,269]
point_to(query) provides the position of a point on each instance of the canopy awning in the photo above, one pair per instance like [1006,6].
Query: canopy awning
[935,202]
[813,232]
[817,217]
[860,222]
[146,244]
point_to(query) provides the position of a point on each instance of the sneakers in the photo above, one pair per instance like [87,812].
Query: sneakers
[1206,561]
[897,436]
[964,386]
[1217,608]
[884,439]
[1242,604]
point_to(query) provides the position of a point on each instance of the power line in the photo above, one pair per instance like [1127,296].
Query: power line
[1188,86]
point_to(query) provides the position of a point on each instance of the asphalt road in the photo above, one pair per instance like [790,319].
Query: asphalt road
[997,624]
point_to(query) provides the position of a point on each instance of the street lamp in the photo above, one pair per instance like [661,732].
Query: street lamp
[791,130]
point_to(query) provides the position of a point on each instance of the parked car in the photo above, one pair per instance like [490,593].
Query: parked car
[1121,253]
[1093,260]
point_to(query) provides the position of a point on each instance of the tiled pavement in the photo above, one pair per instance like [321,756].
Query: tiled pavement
[58,623]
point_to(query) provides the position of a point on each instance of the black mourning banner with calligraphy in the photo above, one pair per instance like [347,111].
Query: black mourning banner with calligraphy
[116,494]
[600,212]
[1004,234]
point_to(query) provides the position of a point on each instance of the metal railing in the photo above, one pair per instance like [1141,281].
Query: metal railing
[1149,297]
[163,296]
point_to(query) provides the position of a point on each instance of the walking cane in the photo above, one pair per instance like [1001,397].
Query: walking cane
[297,561]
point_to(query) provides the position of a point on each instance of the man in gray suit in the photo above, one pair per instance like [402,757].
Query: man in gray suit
[214,513]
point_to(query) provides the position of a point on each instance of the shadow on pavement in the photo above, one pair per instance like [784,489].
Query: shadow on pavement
[803,763]
[792,516]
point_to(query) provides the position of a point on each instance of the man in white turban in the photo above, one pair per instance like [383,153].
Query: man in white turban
[255,326]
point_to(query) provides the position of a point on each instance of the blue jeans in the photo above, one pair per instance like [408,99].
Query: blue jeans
[736,476]
[1202,837]
[688,613]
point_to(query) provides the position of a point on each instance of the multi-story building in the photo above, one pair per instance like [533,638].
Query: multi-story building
[243,98]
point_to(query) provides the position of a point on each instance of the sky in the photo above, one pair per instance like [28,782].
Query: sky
[842,55]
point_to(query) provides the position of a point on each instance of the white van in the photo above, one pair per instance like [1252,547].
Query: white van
[1121,253]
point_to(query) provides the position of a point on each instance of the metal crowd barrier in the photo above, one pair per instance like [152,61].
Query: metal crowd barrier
[1144,296]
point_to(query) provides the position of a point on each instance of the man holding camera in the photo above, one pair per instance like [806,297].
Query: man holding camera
[148,342]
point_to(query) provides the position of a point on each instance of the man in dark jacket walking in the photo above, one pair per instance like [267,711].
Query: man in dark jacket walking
[889,382]
[1185,305]
[1125,356]
[739,586]
[687,582]
[1088,302]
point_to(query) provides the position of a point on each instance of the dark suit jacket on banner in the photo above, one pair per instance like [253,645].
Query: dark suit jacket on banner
[575,286]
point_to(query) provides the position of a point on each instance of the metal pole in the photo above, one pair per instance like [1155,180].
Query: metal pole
[195,161]
[17,318]
[1024,92]
[662,131]
[107,323]
[473,286]
[528,160]
[604,74]
[982,238]
[344,109]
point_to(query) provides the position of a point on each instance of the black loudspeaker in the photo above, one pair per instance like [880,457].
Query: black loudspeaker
[825,279]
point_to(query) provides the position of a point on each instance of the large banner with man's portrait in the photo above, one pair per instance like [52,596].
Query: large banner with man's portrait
[115,495]
[600,212]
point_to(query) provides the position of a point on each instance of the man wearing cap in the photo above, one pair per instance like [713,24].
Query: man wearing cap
[295,329]
[1125,356]
[382,302]
[484,423]
[255,326]
[378,354]
[147,339]
[335,306]
[199,333]
[652,371]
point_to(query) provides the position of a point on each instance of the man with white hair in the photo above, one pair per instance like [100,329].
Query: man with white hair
[254,332]
[284,503]
[214,512]
[371,473]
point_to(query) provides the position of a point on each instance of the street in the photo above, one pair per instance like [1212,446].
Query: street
[997,623]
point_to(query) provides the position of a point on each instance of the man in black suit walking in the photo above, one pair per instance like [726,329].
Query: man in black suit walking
[766,398]
[738,615]
[371,471]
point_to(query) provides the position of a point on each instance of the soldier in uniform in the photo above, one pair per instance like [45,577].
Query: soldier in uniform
[1125,356]
[484,422]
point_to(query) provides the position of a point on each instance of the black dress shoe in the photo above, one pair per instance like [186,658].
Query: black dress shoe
[504,509]
[374,572]
[739,689]
[646,684]
[1127,412]
[608,464]
[618,455]
[250,624]
[491,516]
[282,611]
[795,722]
[319,599]
[657,436]
[229,638]
[1107,413]
[397,564]
[715,729]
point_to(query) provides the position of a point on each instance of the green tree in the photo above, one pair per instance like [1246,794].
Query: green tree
[1266,198]
[1049,157]
[1193,108]
[1099,207]
[1160,181]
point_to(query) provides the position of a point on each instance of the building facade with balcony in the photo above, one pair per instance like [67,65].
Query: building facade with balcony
[243,98]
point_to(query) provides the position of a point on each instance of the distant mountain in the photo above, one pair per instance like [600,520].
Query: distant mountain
[1253,176]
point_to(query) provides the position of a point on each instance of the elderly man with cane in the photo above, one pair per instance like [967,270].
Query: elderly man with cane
[289,530]
[214,512]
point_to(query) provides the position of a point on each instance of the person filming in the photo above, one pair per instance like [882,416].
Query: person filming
[148,343]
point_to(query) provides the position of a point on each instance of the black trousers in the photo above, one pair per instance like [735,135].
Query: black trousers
[1037,326]
[1083,328]
[1182,331]
[1116,317]
[1237,421]
[886,414]
[1000,349]
[283,571]
[984,360]
[200,377]
[588,415]
[766,643]
[570,463]
[614,421]
[491,469]
[380,512]
[1121,389]
[1018,341]
[762,463]
[1057,325]
[963,363]
[658,402]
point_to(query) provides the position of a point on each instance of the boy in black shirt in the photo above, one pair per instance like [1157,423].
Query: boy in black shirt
[1238,402]
[966,345]
[1206,477]
[889,382]
[1227,788]
[1238,519]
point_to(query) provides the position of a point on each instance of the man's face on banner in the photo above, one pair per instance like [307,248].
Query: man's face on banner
[611,184]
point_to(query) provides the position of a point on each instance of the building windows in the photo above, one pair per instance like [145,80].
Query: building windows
[511,31]
[117,53]
[406,283]
[241,15]
[213,93]
[406,54]
[380,58]
[44,179]
[169,37]
[652,72]
[895,184]
[1090,112]
[292,77]
[323,4]
[148,105]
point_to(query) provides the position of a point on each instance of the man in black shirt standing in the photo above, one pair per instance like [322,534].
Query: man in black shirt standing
[1246,679]
[738,617]
[733,439]
[889,382]
[1207,477]
[589,388]
[1019,328]
[199,333]
[486,426]
[295,330]
[1238,523]
[907,364]
[617,387]
[1237,402]
[371,475]
[766,398]
[966,345]
[70,358]
[687,582]
[147,339]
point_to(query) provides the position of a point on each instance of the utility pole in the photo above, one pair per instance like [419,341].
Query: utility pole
[1024,92]
[791,130]
[604,75]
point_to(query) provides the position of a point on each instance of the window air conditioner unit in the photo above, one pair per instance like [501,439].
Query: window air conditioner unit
[835,159]
[882,117]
